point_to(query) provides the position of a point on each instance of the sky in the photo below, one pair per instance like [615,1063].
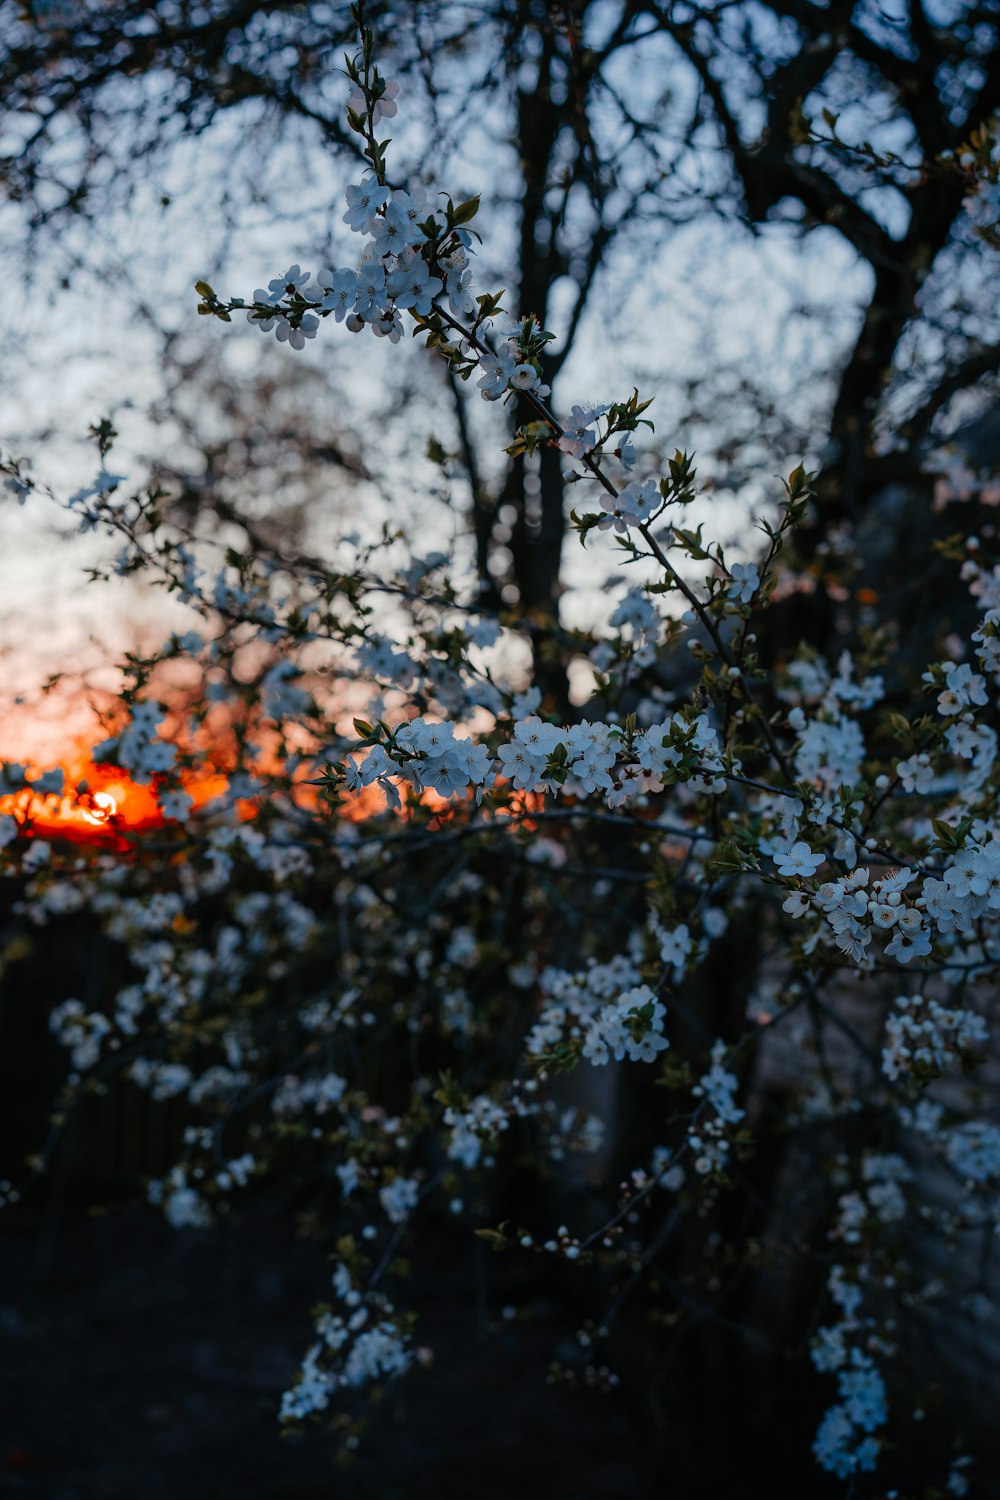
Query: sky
[706,301]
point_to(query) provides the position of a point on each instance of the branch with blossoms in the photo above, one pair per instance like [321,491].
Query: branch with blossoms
[413,266]
[397,1006]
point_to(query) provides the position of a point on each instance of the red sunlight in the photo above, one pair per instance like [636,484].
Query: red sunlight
[109,806]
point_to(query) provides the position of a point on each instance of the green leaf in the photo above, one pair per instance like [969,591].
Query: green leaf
[949,838]
[799,128]
[583,524]
[691,542]
[465,211]
[493,1237]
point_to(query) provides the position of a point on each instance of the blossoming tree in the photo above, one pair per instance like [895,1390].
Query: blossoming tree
[728,938]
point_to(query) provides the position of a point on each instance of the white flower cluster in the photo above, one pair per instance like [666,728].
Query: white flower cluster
[281,696]
[857,907]
[294,1095]
[631,1026]
[176,976]
[507,370]
[542,757]
[430,757]
[922,1034]
[366,1342]
[81,1031]
[137,747]
[183,1206]
[983,203]
[962,688]
[882,1197]
[811,681]
[572,1000]
[470,1128]
[974,1151]
[708,1137]
[830,747]
[636,505]
[637,615]
[718,1087]
[580,433]
[845,1443]
[673,944]
[236,1173]
[414,260]
[829,752]
[986,641]
[399,1198]
[968,890]
[159,1079]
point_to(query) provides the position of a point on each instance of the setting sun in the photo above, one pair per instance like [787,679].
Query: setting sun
[102,809]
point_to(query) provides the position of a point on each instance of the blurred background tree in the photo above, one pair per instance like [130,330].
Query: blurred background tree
[641,156]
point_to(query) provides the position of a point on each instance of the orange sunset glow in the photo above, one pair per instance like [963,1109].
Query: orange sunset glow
[102,805]
[111,805]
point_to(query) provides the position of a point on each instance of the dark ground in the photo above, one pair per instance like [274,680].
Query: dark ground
[138,1363]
